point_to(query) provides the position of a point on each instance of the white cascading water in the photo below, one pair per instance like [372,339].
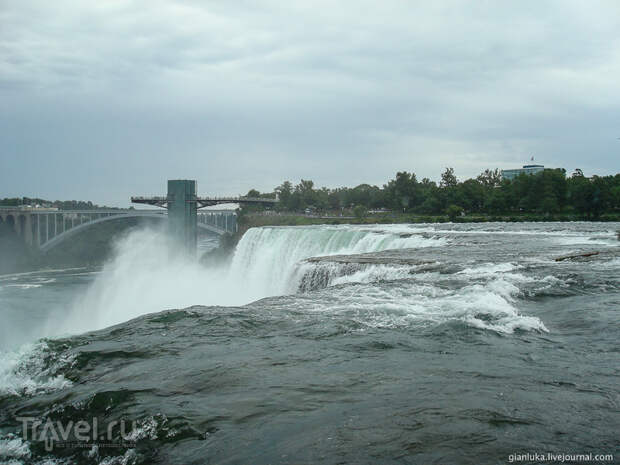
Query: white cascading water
[147,274]
[266,258]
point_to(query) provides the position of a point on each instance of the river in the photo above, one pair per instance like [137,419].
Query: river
[426,343]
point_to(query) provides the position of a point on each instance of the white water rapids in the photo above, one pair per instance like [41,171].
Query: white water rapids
[147,274]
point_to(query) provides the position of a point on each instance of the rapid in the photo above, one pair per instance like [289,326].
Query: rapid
[452,343]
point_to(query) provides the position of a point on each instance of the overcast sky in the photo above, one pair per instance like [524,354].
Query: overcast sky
[104,99]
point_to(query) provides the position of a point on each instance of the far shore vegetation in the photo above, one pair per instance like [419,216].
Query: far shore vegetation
[550,195]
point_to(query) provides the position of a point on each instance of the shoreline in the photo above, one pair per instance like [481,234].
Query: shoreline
[252,220]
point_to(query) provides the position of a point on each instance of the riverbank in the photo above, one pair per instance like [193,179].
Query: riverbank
[285,219]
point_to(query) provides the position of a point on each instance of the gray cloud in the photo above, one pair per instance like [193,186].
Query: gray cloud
[103,100]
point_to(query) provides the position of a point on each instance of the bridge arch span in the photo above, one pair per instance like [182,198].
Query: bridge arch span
[10,221]
[62,237]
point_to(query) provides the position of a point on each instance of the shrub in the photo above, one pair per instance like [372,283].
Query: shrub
[454,212]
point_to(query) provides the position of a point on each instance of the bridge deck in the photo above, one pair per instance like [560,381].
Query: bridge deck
[160,201]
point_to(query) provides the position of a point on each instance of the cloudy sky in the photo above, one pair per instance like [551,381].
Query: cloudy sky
[104,99]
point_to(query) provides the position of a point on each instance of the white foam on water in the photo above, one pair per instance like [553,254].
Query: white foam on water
[24,286]
[587,240]
[373,274]
[614,263]
[13,449]
[148,274]
[488,306]
[8,281]
[309,276]
[507,272]
[129,457]
[490,269]
[267,259]
[24,372]
[10,276]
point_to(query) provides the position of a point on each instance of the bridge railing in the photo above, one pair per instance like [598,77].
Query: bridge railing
[238,199]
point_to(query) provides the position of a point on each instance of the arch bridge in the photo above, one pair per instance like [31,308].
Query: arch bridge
[45,228]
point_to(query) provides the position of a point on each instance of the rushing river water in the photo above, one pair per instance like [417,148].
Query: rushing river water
[403,344]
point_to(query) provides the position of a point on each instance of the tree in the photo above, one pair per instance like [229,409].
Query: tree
[321,198]
[496,201]
[360,211]
[284,192]
[581,195]
[337,198]
[431,204]
[402,192]
[448,179]
[306,193]
[490,178]
[555,182]
[453,212]
[365,194]
[471,195]
[615,197]
[549,202]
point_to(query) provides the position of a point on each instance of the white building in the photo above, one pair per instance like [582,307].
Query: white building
[527,169]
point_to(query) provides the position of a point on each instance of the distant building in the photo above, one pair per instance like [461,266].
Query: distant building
[527,169]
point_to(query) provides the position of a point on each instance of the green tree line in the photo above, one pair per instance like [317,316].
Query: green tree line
[546,192]
[60,204]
